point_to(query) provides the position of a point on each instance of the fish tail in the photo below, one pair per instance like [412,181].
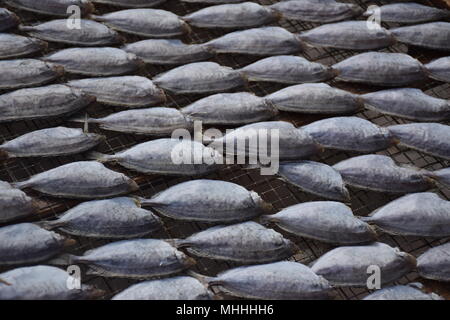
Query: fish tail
[366,219]
[90,8]
[5,282]
[97,156]
[178,243]
[63,260]
[4,155]
[82,119]
[150,203]
[50,225]
[186,28]
[97,18]
[59,70]
[26,28]
[266,219]
[22,185]
[205,280]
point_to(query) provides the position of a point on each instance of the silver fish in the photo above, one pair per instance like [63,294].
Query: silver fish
[286,69]
[380,68]
[350,133]
[42,102]
[320,11]
[433,35]
[14,203]
[442,176]
[434,264]
[431,138]
[14,46]
[283,280]
[27,243]
[347,266]
[89,34]
[80,180]
[95,61]
[408,12]
[208,201]
[159,157]
[326,221]
[411,291]
[42,283]
[133,259]
[230,109]
[177,288]
[15,74]
[50,142]
[263,41]
[128,91]
[315,98]
[352,35]
[108,219]
[247,242]
[381,173]
[153,23]
[316,178]
[168,51]
[419,214]
[439,69]
[8,19]
[241,15]
[199,77]
[156,121]
[52,7]
[212,1]
[131,3]
[408,103]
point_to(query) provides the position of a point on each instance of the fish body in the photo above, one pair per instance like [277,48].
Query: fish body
[434,264]
[58,8]
[380,68]
[80,180]
[131,3]
[8,19]
[315,98]
[128,91]
[439,69]
[433,35]
[381,173]
[411,291]
[15,46]
[347,266]
[14,203]
[51,142]
[42,102]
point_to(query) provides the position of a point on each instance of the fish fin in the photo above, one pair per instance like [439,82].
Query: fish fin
[4,155]
[50,225]
[97,17]
[63,260]
[151,203]
[26,28]
[81,119]
[22,184]
[5,282]
[366,219]
[97,156]
[266,219]
[205,280]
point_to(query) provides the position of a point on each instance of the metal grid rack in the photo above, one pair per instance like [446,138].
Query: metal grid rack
[276,192]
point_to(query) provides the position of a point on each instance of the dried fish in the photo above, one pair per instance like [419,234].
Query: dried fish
[14,46]
[433,35]
[247,242]
[42,283]
[320,11]
[434,264]
[408,103]
[145,22]
[161,157]
[26,243]
[95,61]
[14,203]
[326,221]
[208,201]
[381,173]
[134,259]
[152,121]
[212,1]
[439,69]
[316,178]
[109,219]
[263,41]
[286,69]
[80,180]
[431,138]
[420,214]
[241,15]
[131,3]
[177,288]
[274,281]
[199,77]
[380,68]
[52,7]
[230,109]
[408,12]
[442,176]
[128,91]
[411,291]
[15,74]
[43,102]
[168,51]
[315,98]
[347,266]
[350,133]
[352,35]
[89,33]
[8,19]
[50,142]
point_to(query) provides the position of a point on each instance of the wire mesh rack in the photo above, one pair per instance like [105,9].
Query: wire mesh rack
[272,190]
